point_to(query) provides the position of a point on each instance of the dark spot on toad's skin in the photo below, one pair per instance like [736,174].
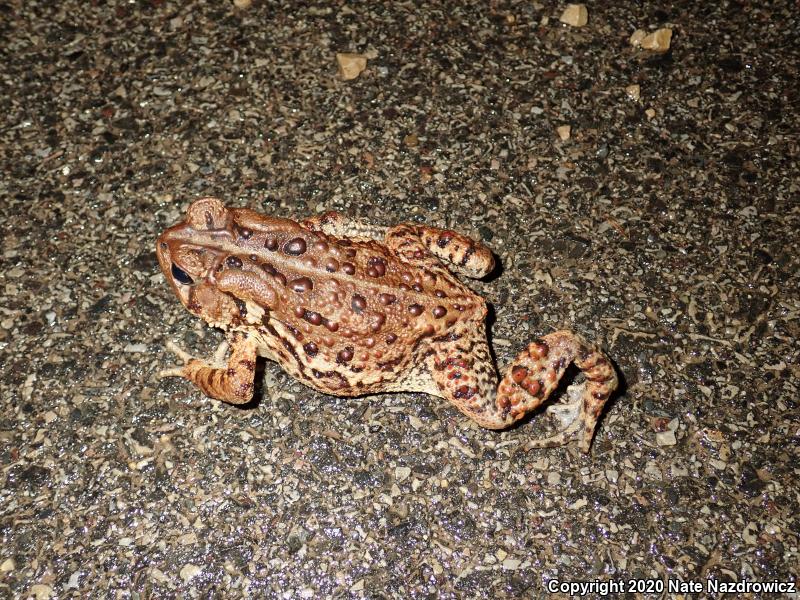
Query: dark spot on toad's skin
[349,268]
[444,240]
[311,349]
[387,299]
[415,309]
[467,255]
[440,294]
[465,392]
[358,303]
[539,349]
[245,234]
[345,355]
[271,244]
[439,312]
[295,246]
[312,317]
[293,330]
[378,320]
[389,365]
[241,306]
[331,265]
[449,337]
[391,338]
[302,285]
[417,288]
[377,267]
[234,261]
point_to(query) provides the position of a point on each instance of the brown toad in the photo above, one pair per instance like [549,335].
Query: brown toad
[350,309]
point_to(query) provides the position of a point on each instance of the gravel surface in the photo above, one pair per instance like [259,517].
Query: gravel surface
[660,222]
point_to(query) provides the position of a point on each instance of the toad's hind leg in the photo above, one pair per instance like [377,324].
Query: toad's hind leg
[460,253]
[342,226]
[460,372]
[535,373]
[463,372]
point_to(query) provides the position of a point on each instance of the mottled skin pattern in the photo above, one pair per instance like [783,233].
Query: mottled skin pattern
[350,309]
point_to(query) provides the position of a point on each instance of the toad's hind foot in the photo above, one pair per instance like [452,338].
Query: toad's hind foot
[535,373]
[566,413]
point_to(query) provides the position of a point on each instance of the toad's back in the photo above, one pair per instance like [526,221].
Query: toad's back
[344,315]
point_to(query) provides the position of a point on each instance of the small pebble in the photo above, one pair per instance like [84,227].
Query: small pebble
[564,131]
[190,571]
[634,92]
[658,41]
[511,564]
[637,37]
[41,591]
[749,535]
[666,438]
[351,65]
[575,15]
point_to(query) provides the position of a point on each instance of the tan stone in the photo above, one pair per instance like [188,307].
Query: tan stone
[242,3]
[634,92]
[564,131]
[658,41]
[637,37]
[350,65]
[575,15]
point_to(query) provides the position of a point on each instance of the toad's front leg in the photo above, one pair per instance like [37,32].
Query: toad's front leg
[230,383]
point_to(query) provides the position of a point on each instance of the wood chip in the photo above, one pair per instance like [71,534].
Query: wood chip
[575,15]
[350,65]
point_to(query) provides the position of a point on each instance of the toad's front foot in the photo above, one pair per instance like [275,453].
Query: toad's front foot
[230,382]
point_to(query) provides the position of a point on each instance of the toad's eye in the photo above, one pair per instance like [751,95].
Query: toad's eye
[181,276]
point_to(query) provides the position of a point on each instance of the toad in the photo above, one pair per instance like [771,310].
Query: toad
[350,309]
